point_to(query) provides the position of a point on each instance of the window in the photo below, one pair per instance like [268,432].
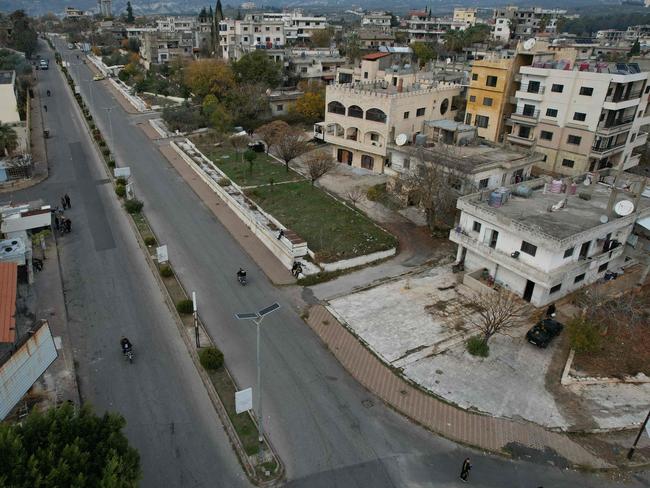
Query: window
[472,98]
[533,87]
[279,108]
[528,110]
[335,107]
[568,163]
[602,267]
[491,81]
[632,137]
[444,106]
[474,76]
[551,112]
[468,119]
[476,227]
[579,116]
[579,278]
[483,183]
[573,139]
[482,121]
[528,248]
[555,289]
[406,115]
[420,112]
[406,164]
[367,162]
[365,75]
[557,88]
[355,111]
[546,135]
[487,102]
[303,69]
[376,115]
[586,91]
[569,252]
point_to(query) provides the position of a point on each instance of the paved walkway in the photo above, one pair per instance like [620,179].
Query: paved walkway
[489,433]
[271,266]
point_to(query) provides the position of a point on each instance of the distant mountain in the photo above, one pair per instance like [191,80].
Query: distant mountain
[39,7]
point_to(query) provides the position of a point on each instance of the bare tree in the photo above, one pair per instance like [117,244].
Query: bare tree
[496,312]
[355,194]
[291,143]
[270,133]
[239,144]
[318,163]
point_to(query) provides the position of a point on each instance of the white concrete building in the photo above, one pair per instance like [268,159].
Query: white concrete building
[611,36]
[105,8]
[466,15]
[376,20]
[313,63]
[176,24]
[422,27]
[582,116]
[542,243]
[9,113]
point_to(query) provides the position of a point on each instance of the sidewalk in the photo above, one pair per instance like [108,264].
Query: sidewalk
[271,266]
[489,433]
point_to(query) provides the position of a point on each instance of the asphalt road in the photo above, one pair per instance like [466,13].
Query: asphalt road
[110,291]
[329,431]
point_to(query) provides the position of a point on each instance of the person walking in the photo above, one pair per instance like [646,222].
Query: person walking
[67,200]
[45,107]
[68,225]
[464,471]
[63,203]
[56,222]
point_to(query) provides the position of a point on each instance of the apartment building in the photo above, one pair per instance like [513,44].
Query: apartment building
[176,24]
[421,27]
[372,39]
[376,20]
[378,66]
[297,26]
[466,15]
[255,31]
[9,113]
[362,118]
[162,47]
[317,64]
[581,116]
[543,239]
[611,36]
[73,13]
[105,8]
[524,22]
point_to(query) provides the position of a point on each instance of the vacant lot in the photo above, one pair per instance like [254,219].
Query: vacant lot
[332,230]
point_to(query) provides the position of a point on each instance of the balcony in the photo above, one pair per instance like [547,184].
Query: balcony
[374,147]
[619,125]
[522,141]
[526,116]
[622,97]
[534,92]
[602,149]
[641,139]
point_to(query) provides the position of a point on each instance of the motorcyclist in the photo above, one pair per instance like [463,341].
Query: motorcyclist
[48,93]
[126,345]
[241,273]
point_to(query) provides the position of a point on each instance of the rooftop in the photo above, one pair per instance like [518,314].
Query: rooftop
[578,214]
[8,286]
[375,56]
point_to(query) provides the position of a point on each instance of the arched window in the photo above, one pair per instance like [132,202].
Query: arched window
[336,108]
[376,115]
[444,106]
[352,134]
[355,111]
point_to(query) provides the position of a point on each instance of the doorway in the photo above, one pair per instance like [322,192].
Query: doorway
[584,250]
[494,238]
[528,291]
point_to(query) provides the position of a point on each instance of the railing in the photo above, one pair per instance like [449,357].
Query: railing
[534,115]
[617,122]
[537,90]
[622,97]
[603,148]
[521,140]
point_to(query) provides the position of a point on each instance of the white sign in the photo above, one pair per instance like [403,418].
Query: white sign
[130,194]
[647,429]
[244,400]
[161,254]
[124,172]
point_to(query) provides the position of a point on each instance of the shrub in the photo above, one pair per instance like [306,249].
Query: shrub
[374,192]
[101,142]
[223,182]
[166,271]
[477,346]
[120,180]
[211,358]
[150,240]
[584,335]
[120,191]
[111,163]
[133,206]
[185,306]
[92,127]
[106,151]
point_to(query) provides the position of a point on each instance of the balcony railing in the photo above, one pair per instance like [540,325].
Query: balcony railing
[526,114]
[605,148]
[534,89]
[524,141]
[622,97]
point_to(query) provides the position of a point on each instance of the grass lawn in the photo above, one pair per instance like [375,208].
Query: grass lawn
[264,168]
[332,230]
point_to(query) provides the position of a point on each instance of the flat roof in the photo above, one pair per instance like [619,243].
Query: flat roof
[577,216]
[8,286]
[375,56]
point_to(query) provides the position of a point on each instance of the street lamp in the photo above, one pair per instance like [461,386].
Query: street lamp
[257,318]
[630,453]
[110,124]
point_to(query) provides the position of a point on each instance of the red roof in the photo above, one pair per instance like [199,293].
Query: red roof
[373,56]
[8,285]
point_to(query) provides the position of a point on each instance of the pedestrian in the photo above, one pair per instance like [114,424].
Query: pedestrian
[67,200]
[63,203]
[281,234]
[56,222]
[45,107]
[550,311]
[464,472]
[68,225]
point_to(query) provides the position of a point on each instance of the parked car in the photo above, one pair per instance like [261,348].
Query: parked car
[542,333]
[44,64]
[257,146]
[98,77]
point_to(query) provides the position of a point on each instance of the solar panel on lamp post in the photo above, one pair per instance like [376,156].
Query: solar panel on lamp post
[257,318]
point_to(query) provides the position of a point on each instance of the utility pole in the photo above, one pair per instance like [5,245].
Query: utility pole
[638,436]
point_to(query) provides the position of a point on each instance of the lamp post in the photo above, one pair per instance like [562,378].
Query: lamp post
[257,318]
[110,123]
[633,448]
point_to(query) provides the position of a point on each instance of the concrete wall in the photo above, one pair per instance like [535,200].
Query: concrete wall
[358,261]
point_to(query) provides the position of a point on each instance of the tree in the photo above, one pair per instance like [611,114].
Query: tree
[209,76]
[311,105]
[129,13]
[239,144]
[291,144]
[424,52]
[249,102]
[496,312]
[257,67]
[355,194]
[250,156]
[322,37]
[272,132]
[64,447]
[318,164]
[8,139]
[23,36]
[636,48]
[216,114]
[352,47]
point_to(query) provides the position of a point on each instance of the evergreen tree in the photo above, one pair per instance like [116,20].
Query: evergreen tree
[129,13]
[636,48]
[219,13]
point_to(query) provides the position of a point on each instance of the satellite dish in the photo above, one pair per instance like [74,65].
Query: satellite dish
[448,60]
[623,208]
[604,219]
[529,43]
[401,139]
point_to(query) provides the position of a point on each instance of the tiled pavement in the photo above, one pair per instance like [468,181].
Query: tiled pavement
[477,430]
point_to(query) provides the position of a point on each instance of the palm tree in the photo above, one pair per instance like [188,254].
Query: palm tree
[8,139]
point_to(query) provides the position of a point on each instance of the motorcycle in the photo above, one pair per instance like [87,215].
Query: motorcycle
[242,279]
[128,353]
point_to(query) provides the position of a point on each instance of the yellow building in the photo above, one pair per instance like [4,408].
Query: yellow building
[466,15]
